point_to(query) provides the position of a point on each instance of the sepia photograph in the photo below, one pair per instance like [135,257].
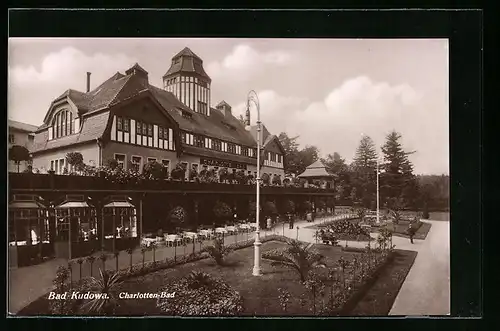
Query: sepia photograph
[228,177]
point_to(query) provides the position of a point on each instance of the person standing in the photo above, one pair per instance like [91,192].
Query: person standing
[269,222]
[290,219]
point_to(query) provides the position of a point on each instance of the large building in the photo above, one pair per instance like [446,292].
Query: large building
[127,119]
[20,134]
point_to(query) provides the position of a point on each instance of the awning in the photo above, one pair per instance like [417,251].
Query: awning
[73,204]
[26,205]
[119,204]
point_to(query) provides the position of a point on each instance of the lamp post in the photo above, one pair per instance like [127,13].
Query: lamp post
[253,98]
[378,193]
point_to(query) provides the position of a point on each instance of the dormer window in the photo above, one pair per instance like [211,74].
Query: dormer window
[186,114]
[62,124]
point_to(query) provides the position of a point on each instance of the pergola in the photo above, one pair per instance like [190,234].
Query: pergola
[119,227]
[28,230]
[76,227]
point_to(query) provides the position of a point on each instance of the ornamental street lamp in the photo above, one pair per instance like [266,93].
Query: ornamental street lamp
[253,98]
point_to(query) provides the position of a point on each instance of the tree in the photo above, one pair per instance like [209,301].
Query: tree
[19,153]
[397,180]
[292,158]
[335,164]
[308,156]
[75,159]
[222,210]
[218,251]
[364,170]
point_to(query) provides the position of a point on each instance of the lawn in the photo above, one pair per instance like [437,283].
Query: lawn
[379,299]
[400,229]
[260,294]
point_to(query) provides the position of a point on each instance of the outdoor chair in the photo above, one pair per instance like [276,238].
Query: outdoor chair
[190,236]
[231,229]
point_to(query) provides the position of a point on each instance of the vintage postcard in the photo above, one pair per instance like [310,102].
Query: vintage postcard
[228,177]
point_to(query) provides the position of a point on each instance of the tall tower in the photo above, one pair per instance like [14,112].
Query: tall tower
[188,81]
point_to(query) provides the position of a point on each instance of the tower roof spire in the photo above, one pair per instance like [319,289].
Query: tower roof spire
[186,61]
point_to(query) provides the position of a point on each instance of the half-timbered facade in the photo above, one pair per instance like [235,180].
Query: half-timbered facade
[127,119]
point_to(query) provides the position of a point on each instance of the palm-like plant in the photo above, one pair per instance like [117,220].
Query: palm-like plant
[104,302]
[199,279]
[90,260]
[218,251]
[80,262]
[299,257]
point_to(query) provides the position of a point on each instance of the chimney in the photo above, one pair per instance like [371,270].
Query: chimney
[88,82]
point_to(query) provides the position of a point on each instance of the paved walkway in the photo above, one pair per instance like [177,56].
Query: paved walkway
[426,290]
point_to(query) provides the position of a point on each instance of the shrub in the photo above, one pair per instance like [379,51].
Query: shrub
[154,171]
[200,294]
[223,174]
[240,177]
[218,251]
[265,178]
[179,172]
[276,180]
[347,230]
[105,300]
[193,174]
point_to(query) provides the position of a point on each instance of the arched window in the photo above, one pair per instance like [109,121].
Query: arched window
[63,124]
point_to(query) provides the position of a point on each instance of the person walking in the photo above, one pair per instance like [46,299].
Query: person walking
[411,232]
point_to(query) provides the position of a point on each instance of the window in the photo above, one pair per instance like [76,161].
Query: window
[62,124]
[120,158]
[136,163]
[202,108]
[144,129]
[183,137]
[199,141]
[52,165]
[231,148]
[12,139]
[217,145]
[244,151]
[151,159]
[160,133]
[61,167]
[150,130]
[194,168]
[122,124]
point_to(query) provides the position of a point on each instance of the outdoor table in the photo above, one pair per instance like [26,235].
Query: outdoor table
[220,230]
[206,233]
[147,241]
[172,238]
[191,235]
[231,228]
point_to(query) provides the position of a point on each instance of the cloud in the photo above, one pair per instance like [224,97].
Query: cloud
[245,60]
[362,106]
[58,71]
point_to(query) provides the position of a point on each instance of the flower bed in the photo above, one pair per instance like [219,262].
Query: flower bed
[200,294]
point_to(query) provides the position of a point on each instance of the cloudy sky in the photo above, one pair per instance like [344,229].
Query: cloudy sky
[326,91]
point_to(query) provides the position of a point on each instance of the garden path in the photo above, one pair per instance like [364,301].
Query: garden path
[426,289]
